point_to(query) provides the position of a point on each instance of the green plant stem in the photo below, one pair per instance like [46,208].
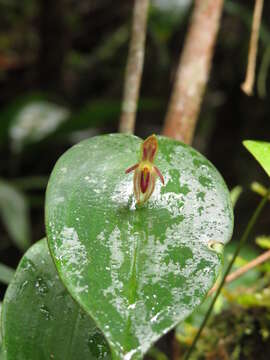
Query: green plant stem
[6,274]
[242,241]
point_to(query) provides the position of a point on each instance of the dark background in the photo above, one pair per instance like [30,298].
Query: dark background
[73,54]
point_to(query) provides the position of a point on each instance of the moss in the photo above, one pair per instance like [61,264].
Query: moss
[236,334]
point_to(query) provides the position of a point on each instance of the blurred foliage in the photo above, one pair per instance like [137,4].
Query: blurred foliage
[258,188]
[34,122]
[6,274]
[263,242]
[14,212]
[235,194]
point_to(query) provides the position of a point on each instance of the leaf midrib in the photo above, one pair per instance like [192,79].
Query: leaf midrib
[133,285]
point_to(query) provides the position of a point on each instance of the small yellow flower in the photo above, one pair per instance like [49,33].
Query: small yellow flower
[146,172]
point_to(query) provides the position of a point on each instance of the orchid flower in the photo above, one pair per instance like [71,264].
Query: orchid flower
[145,172]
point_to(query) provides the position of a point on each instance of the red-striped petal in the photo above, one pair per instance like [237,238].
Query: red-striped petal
[159,174]
[131,168]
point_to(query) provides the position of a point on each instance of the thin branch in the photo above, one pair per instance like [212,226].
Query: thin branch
[247,85]
[134,67]
[241,243]
[242,270]
[193,70]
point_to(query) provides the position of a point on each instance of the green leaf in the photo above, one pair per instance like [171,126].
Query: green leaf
[2,355]
[14,212]
[6,274]
[40,319]
[137,271]
[261,151]
[0,328]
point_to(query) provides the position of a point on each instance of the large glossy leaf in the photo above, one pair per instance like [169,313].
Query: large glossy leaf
[40,319]
[137,271]
[2,355]
[14,212]
[0,326]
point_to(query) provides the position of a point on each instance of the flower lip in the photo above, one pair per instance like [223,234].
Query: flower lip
[145,178]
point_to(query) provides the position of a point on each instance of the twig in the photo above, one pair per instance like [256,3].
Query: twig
[134,67]
[247,85]
[193,71]
[242,270]
[242,241]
